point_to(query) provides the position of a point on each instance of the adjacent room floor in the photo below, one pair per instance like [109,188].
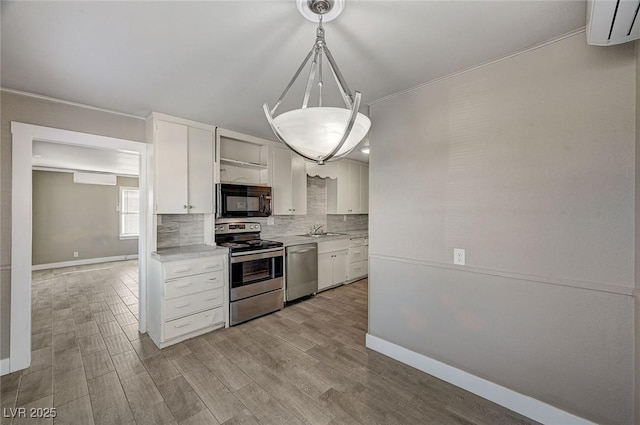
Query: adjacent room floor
[304,364]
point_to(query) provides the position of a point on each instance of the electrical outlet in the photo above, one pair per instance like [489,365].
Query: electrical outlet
[75,254]
[344,218]
[458,256]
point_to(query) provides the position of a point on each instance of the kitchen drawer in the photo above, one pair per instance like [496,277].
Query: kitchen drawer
[335,245]
[193,284]
[359,269]
[358,254]
[359,241]
[175,269]
[192,323]
[183,306]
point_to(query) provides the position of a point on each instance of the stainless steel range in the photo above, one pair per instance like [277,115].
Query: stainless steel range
[256,271]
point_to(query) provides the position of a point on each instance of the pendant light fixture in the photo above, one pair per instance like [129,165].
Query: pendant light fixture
[320,133]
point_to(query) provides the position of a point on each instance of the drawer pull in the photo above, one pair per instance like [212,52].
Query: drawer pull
[211,298]
[211,266]
[188,269]
[213,279]
[183,305]
[183,285]
[182,325]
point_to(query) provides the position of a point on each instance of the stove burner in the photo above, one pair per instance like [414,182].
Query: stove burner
[242,237]
[235,245]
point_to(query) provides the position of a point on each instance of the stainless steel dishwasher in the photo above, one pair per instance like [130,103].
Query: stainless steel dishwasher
[301,275]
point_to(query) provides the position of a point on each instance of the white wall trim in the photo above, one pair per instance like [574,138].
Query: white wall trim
[67,102]
[5,367]
[520,403]
[84,262]
[579,284]
[22,137]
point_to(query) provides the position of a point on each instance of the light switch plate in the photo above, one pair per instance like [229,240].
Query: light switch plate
[458,256]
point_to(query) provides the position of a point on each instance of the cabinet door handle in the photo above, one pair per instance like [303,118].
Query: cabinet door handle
[188,269]
[183,285]
[190,206]
[184,206]
[183,325]
[183,305]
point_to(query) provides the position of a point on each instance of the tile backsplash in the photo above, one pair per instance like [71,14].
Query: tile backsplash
[188,229]
[180,230]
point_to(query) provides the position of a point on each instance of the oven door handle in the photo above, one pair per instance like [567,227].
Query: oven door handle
[259,256]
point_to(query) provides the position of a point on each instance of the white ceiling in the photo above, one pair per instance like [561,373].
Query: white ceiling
[219,61]
[78,158]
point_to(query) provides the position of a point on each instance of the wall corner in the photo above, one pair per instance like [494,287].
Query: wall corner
[636,325]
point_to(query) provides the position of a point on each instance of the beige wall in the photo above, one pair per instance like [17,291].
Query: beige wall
[637,241]
[31,110]
[70,217]
[528,164]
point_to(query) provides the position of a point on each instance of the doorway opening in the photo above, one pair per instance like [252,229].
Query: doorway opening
[26,140]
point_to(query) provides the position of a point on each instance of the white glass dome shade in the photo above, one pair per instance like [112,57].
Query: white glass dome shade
[316,131]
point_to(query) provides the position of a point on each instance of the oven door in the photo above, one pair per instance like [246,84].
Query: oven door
[242,201]
[255,273]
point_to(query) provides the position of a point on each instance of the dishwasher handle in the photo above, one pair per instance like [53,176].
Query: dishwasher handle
[302,249]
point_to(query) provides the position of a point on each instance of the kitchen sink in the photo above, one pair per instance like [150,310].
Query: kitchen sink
[321,235]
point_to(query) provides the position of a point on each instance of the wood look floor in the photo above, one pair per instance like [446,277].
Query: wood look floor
[306,364]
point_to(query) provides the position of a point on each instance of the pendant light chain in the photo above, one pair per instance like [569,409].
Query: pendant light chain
[320,82]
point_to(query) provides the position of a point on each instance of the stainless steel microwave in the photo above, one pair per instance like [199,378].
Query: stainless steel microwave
[237,200]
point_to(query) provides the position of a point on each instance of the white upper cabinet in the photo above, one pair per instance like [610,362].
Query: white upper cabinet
[364,189]
[298,184]
[289,181]
[200,172]
[349,192]
[170,151]
[184,156]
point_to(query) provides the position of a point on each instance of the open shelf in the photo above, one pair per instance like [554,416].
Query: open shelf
[243,164]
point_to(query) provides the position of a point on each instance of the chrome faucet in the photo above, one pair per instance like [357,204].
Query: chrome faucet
[316,230]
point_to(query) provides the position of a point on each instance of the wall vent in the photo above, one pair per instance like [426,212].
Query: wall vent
[611,22]
[94,178]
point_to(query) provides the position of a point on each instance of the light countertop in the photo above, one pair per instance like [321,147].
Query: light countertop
[187,252]
[299,240]
[196,251]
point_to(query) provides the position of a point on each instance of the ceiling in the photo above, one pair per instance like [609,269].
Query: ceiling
[218,61]
[69,157]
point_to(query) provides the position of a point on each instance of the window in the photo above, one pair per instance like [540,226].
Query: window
[129,212]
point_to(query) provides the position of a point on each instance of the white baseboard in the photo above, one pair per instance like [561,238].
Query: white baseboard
[520,403]
[5,366]
[84,262]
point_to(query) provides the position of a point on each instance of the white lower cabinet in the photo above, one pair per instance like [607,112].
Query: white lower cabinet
[187,298]
[358,258]
[332,263]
